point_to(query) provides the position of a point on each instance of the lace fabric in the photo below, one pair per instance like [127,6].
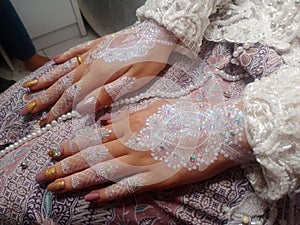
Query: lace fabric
[271,22]
[187,19]
[272,112]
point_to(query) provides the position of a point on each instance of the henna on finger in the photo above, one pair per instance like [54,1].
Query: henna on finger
[96,174]
[125,187]
[91,137]
[85,158]
[66,101]
[119,87]
[55,91]
[59,71]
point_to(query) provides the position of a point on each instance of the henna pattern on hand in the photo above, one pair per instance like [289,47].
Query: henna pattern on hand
[134,42]
[189,135]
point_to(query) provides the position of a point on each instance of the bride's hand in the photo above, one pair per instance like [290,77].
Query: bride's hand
[166,145]
[110,62]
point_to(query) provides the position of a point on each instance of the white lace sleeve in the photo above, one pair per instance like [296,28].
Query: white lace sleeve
[272,120]
[187,19]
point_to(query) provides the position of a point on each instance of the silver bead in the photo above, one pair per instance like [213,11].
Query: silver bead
[24,165]
[227,94]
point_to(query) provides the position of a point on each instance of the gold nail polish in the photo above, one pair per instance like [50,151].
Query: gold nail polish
[43,122]
[30,83]
[53,153]
[43,119]
[56,186]
[31,106]
[50,173]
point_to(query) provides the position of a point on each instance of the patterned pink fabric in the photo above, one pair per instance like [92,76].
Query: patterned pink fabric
[23,201]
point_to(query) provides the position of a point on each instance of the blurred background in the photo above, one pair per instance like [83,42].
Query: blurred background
[57,25]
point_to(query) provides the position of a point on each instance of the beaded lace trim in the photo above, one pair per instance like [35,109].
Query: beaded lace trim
[273,22]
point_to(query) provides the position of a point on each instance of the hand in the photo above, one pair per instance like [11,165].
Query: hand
[111,62]
[166,145]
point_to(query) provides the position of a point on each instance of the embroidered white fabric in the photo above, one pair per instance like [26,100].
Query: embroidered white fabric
[272,22]
[187,19]
[272,115]
[254,210]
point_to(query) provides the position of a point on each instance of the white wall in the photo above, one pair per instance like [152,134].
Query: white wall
[49,21]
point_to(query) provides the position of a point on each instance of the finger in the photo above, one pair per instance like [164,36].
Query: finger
[133,79]
[97,174]
[93,137]
[52,76]
[156,177]
[126,187]
[114,117]
[82,160]
[75,51]
[49,96]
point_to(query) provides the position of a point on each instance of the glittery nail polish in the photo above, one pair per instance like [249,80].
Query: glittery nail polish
[44,119]
[50,173]
[30,83]
[28,108]
[56,186]
[54,153]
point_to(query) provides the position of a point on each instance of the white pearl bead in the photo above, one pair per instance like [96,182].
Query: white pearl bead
[235,54]
[240,49]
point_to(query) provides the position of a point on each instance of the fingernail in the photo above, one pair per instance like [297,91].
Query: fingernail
[55,153]
[30,83]
[28,108]
[56,186]
[106,116]
[46,175]
[44,119]
[91,197]
[87,106]
[40,177]
[50,173]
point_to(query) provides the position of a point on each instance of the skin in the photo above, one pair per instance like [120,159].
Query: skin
[136,171]
[87,74]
